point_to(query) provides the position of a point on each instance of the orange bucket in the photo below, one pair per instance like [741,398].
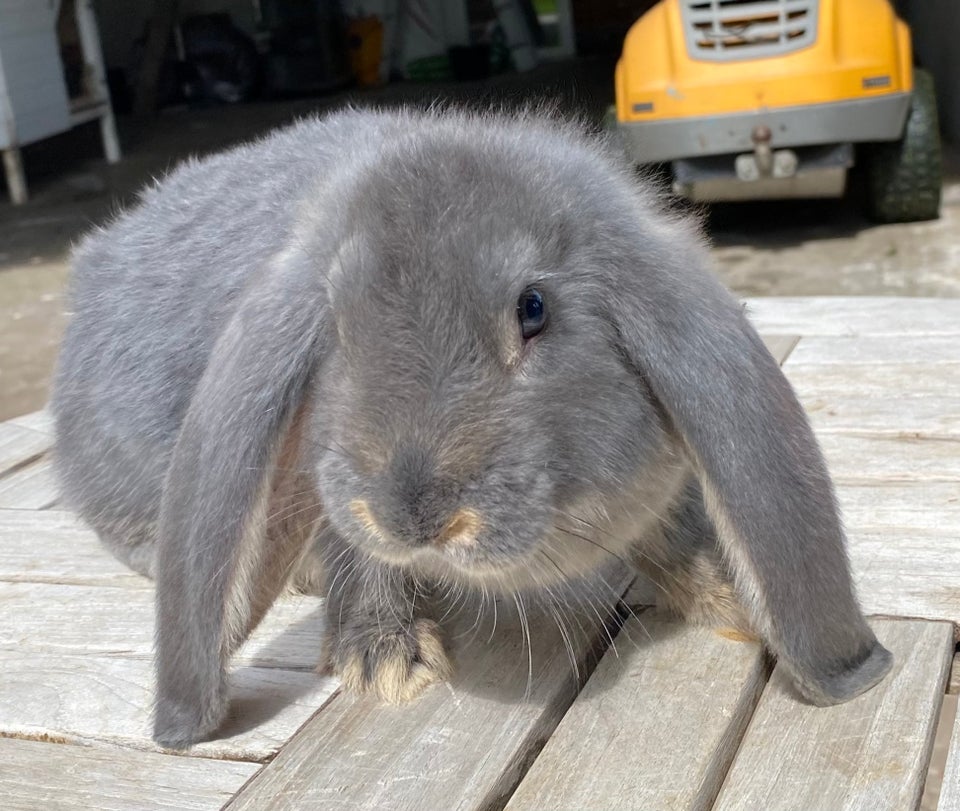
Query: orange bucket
[365,35]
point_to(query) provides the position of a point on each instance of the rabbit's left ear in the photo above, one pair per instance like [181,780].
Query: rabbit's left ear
[218,569]
[764,479]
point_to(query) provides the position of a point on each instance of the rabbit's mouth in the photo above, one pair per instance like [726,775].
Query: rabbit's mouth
[484,567]
[464,548]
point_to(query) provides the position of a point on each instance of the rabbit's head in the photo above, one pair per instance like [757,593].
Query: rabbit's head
[478,410]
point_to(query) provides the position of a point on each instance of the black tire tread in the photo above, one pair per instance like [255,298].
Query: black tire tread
[904,177]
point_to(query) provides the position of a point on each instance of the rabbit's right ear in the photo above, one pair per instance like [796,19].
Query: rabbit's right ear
[212,555]
[765,481]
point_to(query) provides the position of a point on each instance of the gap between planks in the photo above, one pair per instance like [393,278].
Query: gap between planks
[656,726]
[20,446]
[477,733]
[59,776]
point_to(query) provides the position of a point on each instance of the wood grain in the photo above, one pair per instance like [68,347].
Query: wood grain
[855,459]
[19,445]
[83,699]
[907,572]
[655,727]
[41,421]
[893,415]
[902,507]
[29,488]
[52,546]
[460,746]
[870,754]
[877,350]
[860,315]
[889,378]
[64,777]
[106,621]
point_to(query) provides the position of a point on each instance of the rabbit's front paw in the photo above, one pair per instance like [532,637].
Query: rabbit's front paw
[396,665]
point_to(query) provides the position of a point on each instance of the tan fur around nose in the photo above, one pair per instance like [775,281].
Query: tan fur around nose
[462,529]
[362,512]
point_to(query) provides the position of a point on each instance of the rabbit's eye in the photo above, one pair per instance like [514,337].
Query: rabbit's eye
[532,312]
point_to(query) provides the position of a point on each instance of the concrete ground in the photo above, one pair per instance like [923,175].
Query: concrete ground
[789,248]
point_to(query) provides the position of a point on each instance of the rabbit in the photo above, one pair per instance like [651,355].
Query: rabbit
[390,348]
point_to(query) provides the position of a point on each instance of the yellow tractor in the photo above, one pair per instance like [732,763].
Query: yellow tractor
[752,99]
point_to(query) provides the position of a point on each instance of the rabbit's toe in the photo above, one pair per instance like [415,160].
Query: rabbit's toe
[396,666]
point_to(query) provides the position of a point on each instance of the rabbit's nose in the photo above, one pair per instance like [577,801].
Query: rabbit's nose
[414,487]
[417,506]
[462,530]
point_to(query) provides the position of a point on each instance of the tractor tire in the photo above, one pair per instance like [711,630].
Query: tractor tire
[903,178]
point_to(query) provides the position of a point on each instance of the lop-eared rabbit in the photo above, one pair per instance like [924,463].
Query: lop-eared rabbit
[403,348]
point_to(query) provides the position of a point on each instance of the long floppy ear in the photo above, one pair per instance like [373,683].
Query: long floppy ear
[212,542]
[764,478]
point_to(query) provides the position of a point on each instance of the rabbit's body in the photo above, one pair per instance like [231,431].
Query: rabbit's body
[150,294]
[490,357]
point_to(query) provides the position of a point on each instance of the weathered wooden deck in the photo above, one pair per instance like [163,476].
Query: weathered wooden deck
[674,718]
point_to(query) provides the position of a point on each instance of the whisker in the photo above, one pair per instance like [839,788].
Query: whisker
[518,600]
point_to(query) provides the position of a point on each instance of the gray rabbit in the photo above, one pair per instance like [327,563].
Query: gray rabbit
[433,347]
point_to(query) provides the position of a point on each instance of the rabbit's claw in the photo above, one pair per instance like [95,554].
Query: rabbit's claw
[396,666]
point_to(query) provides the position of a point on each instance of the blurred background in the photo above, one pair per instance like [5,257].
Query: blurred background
[98,98]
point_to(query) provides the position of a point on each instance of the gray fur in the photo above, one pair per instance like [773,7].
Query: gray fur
[327,316]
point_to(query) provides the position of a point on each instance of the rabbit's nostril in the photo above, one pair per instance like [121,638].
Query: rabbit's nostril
[361,512]
[462,529]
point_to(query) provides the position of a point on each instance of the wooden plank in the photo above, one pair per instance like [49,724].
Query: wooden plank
[882,380]
[907,573]
[41,421]
[870,754]
[655,727]
[19,445]
[843,315]
[29,488]
[855,459]
[82,699]
[874,350]
[892,415]
[63,777]
[54,547]
[460,746]
[105,621]
[907,506]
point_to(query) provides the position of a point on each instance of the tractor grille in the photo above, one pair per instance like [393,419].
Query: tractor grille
[727,30]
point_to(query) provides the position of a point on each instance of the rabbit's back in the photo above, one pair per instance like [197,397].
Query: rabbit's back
[149,294]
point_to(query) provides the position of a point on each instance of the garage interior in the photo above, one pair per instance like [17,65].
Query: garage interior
[224,71]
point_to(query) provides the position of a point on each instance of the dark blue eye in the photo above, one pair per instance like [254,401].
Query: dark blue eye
[532,312]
